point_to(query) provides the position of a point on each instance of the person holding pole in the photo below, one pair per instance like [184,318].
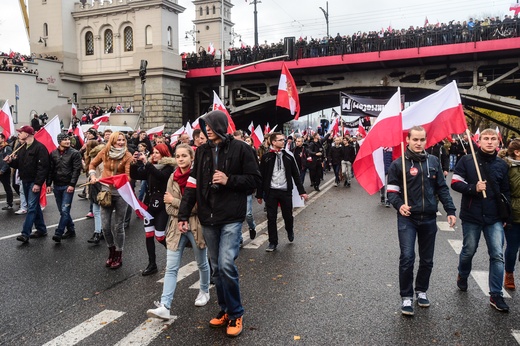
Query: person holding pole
[415,184]
[481,178]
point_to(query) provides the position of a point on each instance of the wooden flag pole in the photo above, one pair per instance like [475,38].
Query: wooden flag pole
[404,175]
[475,160]
[17,149]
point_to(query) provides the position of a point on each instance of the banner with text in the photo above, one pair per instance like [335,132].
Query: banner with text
[354,105]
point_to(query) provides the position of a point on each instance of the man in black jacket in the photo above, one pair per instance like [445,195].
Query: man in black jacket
[5,171]
[224,172]
[65,168]
[279,171]
[32,162]
[417,217]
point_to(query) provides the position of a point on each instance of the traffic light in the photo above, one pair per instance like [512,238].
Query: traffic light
[142,70]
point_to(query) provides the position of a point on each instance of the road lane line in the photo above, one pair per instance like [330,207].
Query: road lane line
[49,226]
[445,226]
[85,329]
[146,332]
[516,335]
[456,244]
[481,277]
[185,271]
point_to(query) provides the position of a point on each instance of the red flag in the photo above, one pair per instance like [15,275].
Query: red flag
[73,110]
[287,96]
[6,120]
[386,132]
[361,130]
[335,127]
[48,135]
[426,21]
[267,128]
[121,183]
[499,134]
[476,136]
[101,119]
[515,7]
[218,105]
[257,136]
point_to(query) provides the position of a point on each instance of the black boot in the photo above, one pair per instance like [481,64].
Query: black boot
[150,249]
[151,269]
[96,237]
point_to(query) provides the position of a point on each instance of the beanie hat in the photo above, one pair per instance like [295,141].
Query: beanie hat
[93,132]
[62,137]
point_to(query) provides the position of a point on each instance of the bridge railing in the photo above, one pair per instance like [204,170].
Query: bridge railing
[363,43]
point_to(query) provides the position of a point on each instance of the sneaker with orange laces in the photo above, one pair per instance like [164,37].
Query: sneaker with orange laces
[234,327]
[220,321]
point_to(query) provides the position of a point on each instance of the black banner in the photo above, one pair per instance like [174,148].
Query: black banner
[361,106]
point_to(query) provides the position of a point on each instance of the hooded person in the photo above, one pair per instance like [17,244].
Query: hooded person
[224,172]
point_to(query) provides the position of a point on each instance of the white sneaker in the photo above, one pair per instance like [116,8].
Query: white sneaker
[161,312]
[21,211]
[202,299]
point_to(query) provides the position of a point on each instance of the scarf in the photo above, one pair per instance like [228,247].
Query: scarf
[116,153]
[181,178]
[418,157]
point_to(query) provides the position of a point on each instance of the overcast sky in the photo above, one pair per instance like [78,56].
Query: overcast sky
[281,18]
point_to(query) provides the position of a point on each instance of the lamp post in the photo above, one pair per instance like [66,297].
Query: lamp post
[326,14]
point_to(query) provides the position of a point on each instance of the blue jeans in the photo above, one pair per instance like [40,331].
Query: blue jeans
[96,210]
[425,231]
[34,211]
[512,244]
[302,174]
[249,214]
[173,262]
[63,201]
[453,161]
[223,243]
[494,235]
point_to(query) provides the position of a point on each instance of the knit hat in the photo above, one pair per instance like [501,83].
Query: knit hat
[93,132]
[62,137]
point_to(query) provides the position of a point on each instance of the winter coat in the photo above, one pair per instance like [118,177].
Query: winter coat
[514,185]
[64,168]
[32,163]
[335,154]
[4,152]
[156,174]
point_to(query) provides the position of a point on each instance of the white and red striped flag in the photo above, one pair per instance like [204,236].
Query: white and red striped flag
[189,130]
[78,133]
[267,128]
[361,130]
[48,135]
[122,184]
[499,134]
[73,110]
[218,105]
[257,136]
[158,130]
[101,119]
[476,136]
[386,132]
[174,138]
[6,120]
[287,96]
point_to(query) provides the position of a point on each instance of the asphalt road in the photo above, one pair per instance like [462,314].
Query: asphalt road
[337,284]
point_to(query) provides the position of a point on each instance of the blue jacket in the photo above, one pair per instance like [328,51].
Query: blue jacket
[474,207]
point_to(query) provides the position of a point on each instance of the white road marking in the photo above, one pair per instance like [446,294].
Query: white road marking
[196,286]
[185,271]
[85,329]
[439,213]
[456,244]
[481,277]
[445,226]
[146,332]
[516,335]
[48,226]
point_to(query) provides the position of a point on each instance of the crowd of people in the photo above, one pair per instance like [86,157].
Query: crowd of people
[471,30]
[199,191]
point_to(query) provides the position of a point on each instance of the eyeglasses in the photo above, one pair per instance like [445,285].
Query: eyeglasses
[280,139]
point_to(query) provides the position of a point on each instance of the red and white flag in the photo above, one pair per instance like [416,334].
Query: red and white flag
[211,49]
[440,114]
[476,136]
[515,7]
[78,133]
[361,130]
[195,124]
[267,128]
[158,130]
[218,105]
[189,130]
[174,138]
[122,184]
[273,129]
[73,110]
[287,96]
[48,135]
[257,136]
[499,134]
[6,120]
[335,126]
[386,132]
[101,119]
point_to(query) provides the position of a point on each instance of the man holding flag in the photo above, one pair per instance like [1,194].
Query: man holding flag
[415,199]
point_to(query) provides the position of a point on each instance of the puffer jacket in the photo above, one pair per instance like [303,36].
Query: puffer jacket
[474,207]
[65,167]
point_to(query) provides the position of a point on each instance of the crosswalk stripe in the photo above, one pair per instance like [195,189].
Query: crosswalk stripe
[196,286]
[481,277]
[85,329]
[456,245]
[146,332]
[445,226]
[257,242]
[184,271]
[516,335]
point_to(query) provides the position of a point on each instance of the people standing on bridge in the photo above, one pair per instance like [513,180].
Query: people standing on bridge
[480,215]
[65,168]
[279,170]
[5,171]
[116,160]
[156,172]
[176,240]
[32,162]
[417,217]
[223,174]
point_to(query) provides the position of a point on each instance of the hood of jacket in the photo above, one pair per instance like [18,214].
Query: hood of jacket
[217,121]
[93,153]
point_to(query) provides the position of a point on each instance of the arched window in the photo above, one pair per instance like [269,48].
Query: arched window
[45,30]
[129,39]
[89,43]
[148,34]
[207,10]
[214,9]
[109,41]
[201,11]
[169,36]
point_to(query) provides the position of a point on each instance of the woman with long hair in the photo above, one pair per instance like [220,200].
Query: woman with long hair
[93,148]
[176,240]
[156,172]
[512,231]
[116,160]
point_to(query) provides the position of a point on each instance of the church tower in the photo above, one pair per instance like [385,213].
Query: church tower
[208,23]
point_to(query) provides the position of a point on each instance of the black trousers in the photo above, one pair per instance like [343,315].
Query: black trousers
[5,179]
[284,198]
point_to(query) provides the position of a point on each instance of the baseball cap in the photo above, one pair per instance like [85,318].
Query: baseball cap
[27,129]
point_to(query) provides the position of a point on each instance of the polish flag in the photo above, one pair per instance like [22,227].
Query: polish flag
[195,125]
[189,130]
[257,136]
[158,130]
[475,138]
[335,127]
[101,119]
[218,105]
[386,132]
[77,132]
[174,138]
[73,110]
[287,96]
[274,128]
[440,114]
[499,134]
[48,135]
[211,49]
[6,120]
[267,128]
[361,130]
[515,7]
[122,184]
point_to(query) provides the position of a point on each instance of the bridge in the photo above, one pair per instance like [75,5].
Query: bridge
[487,73]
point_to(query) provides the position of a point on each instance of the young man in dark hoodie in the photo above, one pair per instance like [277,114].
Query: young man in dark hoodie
[224,172]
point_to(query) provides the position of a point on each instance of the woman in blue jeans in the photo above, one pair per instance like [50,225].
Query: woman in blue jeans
[512,230]
[176,240]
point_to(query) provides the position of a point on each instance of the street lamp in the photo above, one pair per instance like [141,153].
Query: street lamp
[326,14]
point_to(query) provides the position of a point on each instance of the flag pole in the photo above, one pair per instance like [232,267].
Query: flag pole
[404,174]
[475,160]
